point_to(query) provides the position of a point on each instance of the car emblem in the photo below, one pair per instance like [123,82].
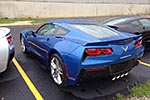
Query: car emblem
[125,48]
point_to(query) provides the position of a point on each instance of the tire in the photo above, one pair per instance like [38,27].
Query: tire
[23,46]
[58,73]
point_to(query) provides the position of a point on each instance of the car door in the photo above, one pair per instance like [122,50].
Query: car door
[40,40]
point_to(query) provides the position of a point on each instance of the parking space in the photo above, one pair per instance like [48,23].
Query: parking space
[14,87]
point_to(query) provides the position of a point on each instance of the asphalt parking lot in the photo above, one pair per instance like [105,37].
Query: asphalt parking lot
[37,84]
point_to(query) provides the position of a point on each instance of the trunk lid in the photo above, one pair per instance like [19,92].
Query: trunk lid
[123,49]
[115,40]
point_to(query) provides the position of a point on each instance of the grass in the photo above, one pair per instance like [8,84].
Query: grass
[34,20]
[119,97]
[141,90]
[6,20]
[42,20]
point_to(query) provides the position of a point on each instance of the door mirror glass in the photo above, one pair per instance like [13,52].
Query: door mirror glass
[30,32]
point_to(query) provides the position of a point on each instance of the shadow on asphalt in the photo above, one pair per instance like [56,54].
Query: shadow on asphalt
[10,74]
[107,88]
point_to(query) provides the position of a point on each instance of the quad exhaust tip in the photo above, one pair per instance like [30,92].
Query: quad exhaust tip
[114,78]
[126,74]
[120,76]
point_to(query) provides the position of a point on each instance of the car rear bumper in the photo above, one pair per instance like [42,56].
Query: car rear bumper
[11,51]
[11,54]
[107,71]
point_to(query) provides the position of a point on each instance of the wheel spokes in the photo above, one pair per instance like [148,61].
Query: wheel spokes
[53,65]
[22,44]
[60,71]
[56,70]
[59,79]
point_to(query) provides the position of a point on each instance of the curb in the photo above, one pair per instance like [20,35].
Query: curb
[18,23]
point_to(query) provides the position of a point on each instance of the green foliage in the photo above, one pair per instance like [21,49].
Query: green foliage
[33,20]
[119,97]
[141,90]
[7,20]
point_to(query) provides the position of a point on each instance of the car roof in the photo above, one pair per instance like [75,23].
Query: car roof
[70,21]
[132,17]
[126,18]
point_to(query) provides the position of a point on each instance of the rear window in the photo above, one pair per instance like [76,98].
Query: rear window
[116,21]
[95,30]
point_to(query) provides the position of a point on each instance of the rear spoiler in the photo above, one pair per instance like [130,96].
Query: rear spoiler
[106,42]
[114,27]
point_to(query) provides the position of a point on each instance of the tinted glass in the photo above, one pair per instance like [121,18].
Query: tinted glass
[145,22]
[61,31]
[47,29]
[135,23]
[115,21]
[95,30]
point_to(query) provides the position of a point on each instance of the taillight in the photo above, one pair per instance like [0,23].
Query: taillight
[98,51]
[93,52]
[106,51]
[138,43]
[9,39]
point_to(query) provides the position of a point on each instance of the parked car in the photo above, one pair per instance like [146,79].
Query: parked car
[133,24]
[73,49]
[6,48]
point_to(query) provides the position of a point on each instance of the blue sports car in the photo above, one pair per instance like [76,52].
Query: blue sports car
[76,49]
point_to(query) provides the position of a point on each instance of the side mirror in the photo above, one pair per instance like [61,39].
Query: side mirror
[31,33]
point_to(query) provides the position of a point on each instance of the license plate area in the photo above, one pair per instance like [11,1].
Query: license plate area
[121,67]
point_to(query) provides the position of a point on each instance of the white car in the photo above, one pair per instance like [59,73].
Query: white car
[6,48]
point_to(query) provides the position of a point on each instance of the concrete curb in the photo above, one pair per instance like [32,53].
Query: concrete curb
[18,23]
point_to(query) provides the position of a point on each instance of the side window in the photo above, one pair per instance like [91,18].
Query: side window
[135,23]
[145,22]
[61,31]
[47,29]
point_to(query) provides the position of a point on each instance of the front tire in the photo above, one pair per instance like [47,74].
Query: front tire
[58,73]
[23,46]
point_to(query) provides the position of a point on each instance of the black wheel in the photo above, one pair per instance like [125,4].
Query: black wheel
[23,46]
[58,73]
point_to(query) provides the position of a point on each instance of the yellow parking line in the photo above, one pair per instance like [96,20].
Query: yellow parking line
[28,81]
[143,63]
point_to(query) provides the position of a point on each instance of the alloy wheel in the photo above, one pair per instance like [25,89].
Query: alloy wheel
[23,47]
[56,70]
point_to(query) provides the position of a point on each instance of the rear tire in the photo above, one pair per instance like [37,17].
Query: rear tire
[23,46]
[58,73]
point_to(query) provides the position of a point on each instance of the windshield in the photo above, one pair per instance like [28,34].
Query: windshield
[95,30]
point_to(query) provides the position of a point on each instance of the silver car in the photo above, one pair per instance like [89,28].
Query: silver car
[6,48]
